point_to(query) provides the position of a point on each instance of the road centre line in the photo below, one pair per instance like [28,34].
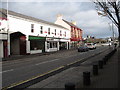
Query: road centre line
[7,71]
[44,73]
[47,61]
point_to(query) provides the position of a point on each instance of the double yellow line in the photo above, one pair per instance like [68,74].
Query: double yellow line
[35,77]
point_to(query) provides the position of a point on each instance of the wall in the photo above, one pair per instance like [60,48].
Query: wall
[62,23]
[24,26]
[15,48]
[1,49]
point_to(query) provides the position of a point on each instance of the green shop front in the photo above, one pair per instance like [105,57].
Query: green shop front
[37,44]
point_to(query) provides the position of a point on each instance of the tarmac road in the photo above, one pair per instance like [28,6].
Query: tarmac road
[23,69]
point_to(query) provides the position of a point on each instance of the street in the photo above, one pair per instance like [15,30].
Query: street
[23,69]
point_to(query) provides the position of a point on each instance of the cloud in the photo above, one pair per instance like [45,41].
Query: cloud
[83,13]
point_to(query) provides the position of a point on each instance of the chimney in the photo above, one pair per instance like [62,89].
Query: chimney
[74,22]
[59,17]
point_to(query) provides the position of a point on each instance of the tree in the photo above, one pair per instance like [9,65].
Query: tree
[111,9]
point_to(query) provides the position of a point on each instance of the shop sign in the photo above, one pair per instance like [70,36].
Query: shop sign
[35,38]
[51,39]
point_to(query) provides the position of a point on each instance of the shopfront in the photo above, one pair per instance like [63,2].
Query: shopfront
[52,44]
[37,44]
[3,45]
[64,44]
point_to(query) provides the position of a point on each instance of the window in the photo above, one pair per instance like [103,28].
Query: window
[36,45]
[41,29]
[65,33]
[53,44]
[32,28]
[60,33]
[55,31]
[49,31]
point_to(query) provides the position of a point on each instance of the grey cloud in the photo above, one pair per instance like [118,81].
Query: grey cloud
[83,13]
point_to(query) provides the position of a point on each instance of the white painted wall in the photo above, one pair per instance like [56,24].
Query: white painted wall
[24,26]
[17,24]
[60,21]
[3,35]
[28,46]
[1,49]
[3,25]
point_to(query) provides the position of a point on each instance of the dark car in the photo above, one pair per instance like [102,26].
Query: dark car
[83,48]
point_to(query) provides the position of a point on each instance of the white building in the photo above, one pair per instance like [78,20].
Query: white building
[75,31]
[3,36]
[29,35]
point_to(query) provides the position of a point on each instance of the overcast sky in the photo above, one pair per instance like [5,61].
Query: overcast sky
[83,13]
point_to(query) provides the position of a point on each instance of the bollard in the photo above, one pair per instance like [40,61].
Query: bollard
[100,64]
[104,60]
[86,78]
[95,69]
[69,86]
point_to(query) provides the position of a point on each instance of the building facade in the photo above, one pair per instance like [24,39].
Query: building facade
[3,36]
[76,32]
[29,35]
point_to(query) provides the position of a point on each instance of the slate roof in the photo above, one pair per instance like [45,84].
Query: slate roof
[4,11]
[69,23]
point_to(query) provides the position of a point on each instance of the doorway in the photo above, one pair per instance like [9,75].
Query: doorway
[17,44]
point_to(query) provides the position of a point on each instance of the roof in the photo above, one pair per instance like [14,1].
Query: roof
[4,11]
[69,23]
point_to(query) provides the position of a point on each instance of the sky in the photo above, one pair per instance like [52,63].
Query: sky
[84,13]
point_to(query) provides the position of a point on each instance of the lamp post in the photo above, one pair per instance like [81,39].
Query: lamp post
[8,37]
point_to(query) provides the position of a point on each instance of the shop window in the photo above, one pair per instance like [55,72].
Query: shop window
[41,29]
[32,28]
[49,31]
[48,45]
[36,45]
[53,44]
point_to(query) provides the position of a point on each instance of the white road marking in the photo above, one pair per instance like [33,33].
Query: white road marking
[7,71]
[47,61]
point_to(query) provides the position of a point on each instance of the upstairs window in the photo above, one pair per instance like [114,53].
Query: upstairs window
[65,33]
[49,31]
[41,29]
[55,32]
[60,33]
[32,28]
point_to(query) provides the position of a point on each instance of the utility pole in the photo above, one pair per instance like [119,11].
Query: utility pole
[8,38]
[113,33]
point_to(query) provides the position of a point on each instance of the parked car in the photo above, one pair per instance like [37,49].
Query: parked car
[91,45]
[83,48]
[106,44]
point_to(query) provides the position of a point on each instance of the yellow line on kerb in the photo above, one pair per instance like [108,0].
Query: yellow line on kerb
[75,62]
[15,84]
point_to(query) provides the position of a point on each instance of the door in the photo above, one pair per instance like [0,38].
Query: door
[22,47]
[5,48]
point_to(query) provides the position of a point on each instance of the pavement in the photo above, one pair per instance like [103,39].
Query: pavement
[107,77]
[16,57]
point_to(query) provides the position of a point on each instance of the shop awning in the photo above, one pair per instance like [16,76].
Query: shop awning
[35,38]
